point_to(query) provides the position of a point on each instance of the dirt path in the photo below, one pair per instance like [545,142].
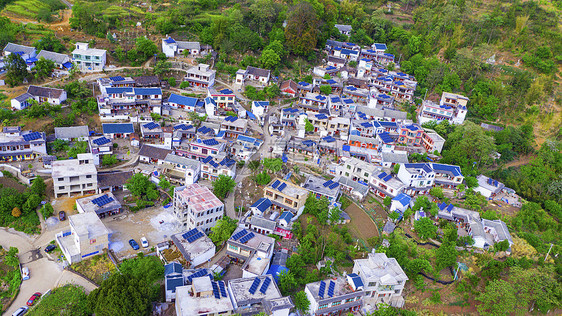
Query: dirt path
[523,160]
[361,224]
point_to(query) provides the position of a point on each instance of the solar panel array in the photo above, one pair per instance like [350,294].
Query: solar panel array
[246,238]
[265,285]
[101,141]
[102,200]
[327,183]
[334,185]
[195,237]
[331,289]
[32,136]
[388,177]
[322,289]
[216,290]
[239,234]
[222,288]
[282,186]
[197,274]
[276,184]
[151,125]
[254,286]
[210,142]
[190,233]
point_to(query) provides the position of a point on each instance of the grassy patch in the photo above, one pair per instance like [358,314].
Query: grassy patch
[97,268]
[25,8]
[10,277]
[66,300]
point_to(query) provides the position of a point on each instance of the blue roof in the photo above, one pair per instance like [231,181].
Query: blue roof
[320,97]
[148,91]
[261,103]
[231,118]
[67,65]
[388,124]
[308,142]
[183,127]
[291,110]
[329,139]
[287,216]
[169,40]
[173,267]
[117,78]
[330,68]
[204,130]
[321,116]
[226,91]
[356,280]
[173,282]
[275,270]
[403,199]
[251,115]
[348,101]
[335,99]
[385,137]
[118,90]
[31,60]
[345,148]
[118,128]
[210,142]
[367,124]
[379,46]
[455,170]
[262,204]
[331,81]
[412,127]
[209,100]
[183,100]
[351,88]
[304,83]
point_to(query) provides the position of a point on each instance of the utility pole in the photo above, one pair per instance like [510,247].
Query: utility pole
[548,252]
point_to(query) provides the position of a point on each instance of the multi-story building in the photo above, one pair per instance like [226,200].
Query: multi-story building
[432,141]
[314,99]
[383,279]
[335,296]
[89,59]
[224,98]
[290,116]
[254,250]
[418,177]
[285,195]
[214,166]
[181,170]
[200,76]
[197,207]
[199,148]
[384,185]
[75,176]
[18,145]
[234,126]
[203,297]
[87,236]
[124,102]
[389,115]
[259,109]
[452,107]
[339,126]
[100,146]
[357,170]
[447,176]
[255,74]
[104,204]
[251,296]
[322,188]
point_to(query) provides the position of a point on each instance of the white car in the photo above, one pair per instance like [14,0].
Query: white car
[144,242]
[25,273]
[20,311]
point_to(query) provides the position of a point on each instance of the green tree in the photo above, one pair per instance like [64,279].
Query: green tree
[387,201]
[287,282]
[121,294]
[425,228]
[254,165]
[47,210]
[31,204]
[301,30]
[437,192]
[222,185]
[396,168]
[497,299]
[301,301]
[161,67]
[67,300]
[109,160]
[273,165]
[446,255]
[325,89]
[140,185]
[223,230]
[43,68]
[335,215]
[263,178]
[16,70]
[308,127]
[269,58]
[148,269]
[38,186]
[50,43]
[467,144]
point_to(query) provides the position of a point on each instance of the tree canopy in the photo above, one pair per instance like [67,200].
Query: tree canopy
[222,185]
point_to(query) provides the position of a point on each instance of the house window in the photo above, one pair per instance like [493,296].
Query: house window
[323,306]
[232,247]
[338,303]
[92,241]
[60,179]
[88,176]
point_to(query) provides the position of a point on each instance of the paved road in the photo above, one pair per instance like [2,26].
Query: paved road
[44,272]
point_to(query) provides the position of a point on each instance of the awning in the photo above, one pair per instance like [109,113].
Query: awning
[251,115]
[67,65]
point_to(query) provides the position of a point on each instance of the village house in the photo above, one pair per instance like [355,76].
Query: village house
[203,297]
[111,181]
[117,130]
[224,99]
[357,170]
[171,47]
[75,176]
[72,133]
[114,82]
[195,206]
[384,184]
[104,204]
[195,246]
[253,74]
[251,296]
[177,101]
[151,130]
[259,109]
[260,206]
[153,155]
[62,61]
[39,94]
[201,76]
[86,236]
[383,279]
[400,203]
[334,296]
[100,146]
[234,126]
[126,102]
[322,188]
[285,196]
[419,178]
[89,59]
[18,145]
[199,148]
[289,87]
[181,170]
[447,176]
[344,29]
[214,166]
[252,249]
[488,187]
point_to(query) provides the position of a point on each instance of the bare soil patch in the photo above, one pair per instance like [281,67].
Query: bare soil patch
[6,182]
[361,224]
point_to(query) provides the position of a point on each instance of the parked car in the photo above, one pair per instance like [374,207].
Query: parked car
[22,310]
[62,216]
[25,273]
[50,248]
[144,242]
[134,244]
[33,298]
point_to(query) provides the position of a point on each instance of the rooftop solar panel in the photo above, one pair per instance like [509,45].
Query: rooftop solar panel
[282,186]
[101,141]
[331,289]
[222,288]
[151,125]
[254,286]
[246,238]
[32,136]
[322,289]
[189,233]
[333,186]
[276,184]
[102,200]
[239,234]
[327,183]
[195,237]
[265,285]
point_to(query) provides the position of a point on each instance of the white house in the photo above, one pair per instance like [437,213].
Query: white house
[171,47]
[39,94]
[259,109]
[400,203]
[89,59]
